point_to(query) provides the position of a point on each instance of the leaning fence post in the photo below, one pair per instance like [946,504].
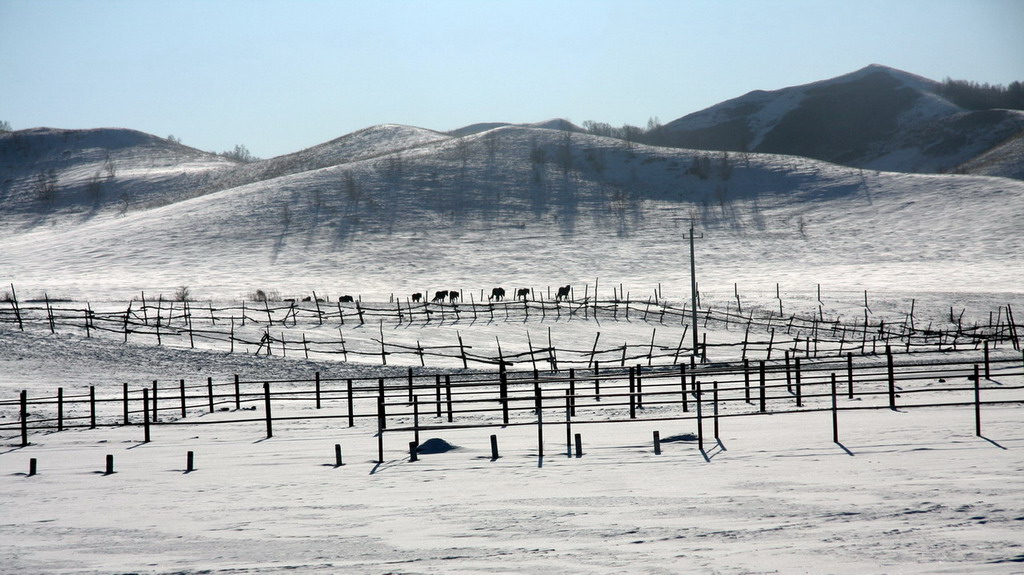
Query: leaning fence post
[657,443]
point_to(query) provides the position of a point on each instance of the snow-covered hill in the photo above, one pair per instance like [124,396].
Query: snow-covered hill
[395,209]
[874,118]
[52,174]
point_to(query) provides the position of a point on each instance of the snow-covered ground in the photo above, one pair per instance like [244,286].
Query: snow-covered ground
[911,491]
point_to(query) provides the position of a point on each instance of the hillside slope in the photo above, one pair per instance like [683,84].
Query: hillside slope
[534,206]
[875,118]
[86,173]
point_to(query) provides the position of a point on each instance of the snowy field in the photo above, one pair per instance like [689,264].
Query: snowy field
[905,491]
[911,491]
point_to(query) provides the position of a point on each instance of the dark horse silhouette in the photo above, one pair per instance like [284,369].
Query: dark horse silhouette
[521,293]
[416,297]
[563,293]
[346,299]
[454,295]
[497,294]
[440,296]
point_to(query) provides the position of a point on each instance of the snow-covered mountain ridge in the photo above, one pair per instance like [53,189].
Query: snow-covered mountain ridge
[874,118]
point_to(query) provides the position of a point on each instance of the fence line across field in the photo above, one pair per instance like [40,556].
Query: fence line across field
[266,330]
[534,398]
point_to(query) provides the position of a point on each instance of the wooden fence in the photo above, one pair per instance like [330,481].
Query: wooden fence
[297,328]
[419,402]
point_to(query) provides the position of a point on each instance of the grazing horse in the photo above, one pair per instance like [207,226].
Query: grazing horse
[416,297]
[454,295]
[563,293]
[346,299]
[497,294]
[440,296]
[307,298]
[521,293]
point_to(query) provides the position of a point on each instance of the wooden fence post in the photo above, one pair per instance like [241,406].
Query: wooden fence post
[977,402]
[503,393]
[351,414]
[145,415]
[835,412]
[715,404]
[746,380]
[182,388]
[799,390]
[892,377]
[539,402]
[209,391]
[380,430]
[92,407]
[632,392]
[700,419]
[155,411]
[316,384]
[266,404]
[682,385]
[849,375]
[448,396]
[238,394]
[23,401]
[60,408]
[762,382]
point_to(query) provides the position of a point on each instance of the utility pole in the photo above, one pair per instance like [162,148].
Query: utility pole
[693,288]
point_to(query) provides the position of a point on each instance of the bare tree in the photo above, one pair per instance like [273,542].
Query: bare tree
[46,187]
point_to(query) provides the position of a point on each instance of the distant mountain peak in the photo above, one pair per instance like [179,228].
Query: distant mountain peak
[876,117]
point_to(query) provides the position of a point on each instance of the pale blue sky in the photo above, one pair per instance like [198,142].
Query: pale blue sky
[282,75]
